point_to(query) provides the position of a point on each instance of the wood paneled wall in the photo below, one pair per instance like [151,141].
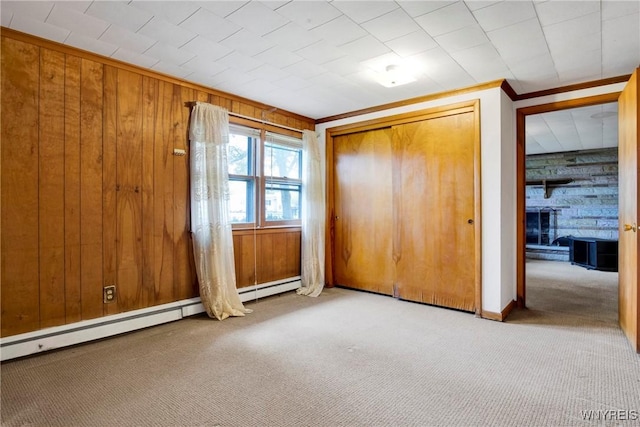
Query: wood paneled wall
[92,194]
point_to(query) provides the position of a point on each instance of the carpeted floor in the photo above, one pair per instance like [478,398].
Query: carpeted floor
[351,358]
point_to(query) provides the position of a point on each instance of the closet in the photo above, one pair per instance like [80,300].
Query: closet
[405,206]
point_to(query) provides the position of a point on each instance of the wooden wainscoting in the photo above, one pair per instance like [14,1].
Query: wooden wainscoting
[91,192]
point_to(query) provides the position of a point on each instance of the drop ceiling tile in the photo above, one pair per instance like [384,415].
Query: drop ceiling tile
[309,14]
[278,57]
[553,12]
[200,46]
[209,25]
[240,62]
[267,72]
[80,6]
[411,44]
[446,19]
[204,66]
[339,31]
[171,69]
[38,28]
[417,8]
[229,78]
[343,66]
[306,69]
[90,44]
[292,83]
[463,38]
[483,63]
[257,17]
[244,41]
[536,67]
[167,33]
[32,10]
[77,22]
[440,67]
[292,36]
[221,8]
[320,52]
[391,25]
[120,14]
[362,11]
[503,14]
[134,58]
[474,5]
[365,48]
[5,18]
[534,148]
[173,12]
[519,41]
[134,42]
[169,54]
[578,59]
[573,43]
[621,44]
[617,9]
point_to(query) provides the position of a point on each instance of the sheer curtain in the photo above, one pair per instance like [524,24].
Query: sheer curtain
[210,225]
[313,217]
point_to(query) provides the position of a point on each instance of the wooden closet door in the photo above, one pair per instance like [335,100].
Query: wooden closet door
[363,211]
[433,195]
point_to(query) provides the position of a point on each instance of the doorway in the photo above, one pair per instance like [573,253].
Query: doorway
[546,185]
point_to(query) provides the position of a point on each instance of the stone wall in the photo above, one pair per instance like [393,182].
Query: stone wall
[586,207]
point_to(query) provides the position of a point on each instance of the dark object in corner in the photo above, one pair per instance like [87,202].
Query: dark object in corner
[562,241]
[593,253]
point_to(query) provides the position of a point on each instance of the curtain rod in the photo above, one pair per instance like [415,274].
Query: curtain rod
[264,122]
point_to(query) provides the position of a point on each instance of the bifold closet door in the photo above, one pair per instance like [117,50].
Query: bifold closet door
[363,211]
[433,199]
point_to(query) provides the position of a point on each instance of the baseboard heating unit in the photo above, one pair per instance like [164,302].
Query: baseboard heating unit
[89,330]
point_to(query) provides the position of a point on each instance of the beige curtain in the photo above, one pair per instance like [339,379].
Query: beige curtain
[313,217]
[210,226]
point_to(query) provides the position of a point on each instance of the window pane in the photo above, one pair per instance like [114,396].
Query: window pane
[282,161]
[239,154]
[241,201]
[282,201]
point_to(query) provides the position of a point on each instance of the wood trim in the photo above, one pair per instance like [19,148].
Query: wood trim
[478,207]
[413,116]
[411,101]
[574,87]
[521,114]
[500,317]
[258,231]
[506,88]
[237,102]
[330,218]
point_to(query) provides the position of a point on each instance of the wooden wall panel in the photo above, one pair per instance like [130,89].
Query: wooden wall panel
[128,190]
[72,285]
[163,190]
[51,188]
[20,262]
[184,271]
[91,188]
[109,185]
[149,96]
[98,198]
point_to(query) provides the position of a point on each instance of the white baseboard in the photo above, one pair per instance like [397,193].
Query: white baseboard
[88,330]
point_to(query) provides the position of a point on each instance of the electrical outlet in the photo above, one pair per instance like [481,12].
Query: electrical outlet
[109,294]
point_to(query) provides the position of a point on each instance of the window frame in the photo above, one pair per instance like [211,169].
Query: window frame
[258,178]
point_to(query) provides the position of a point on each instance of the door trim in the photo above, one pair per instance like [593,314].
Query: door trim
[472,106]
[521,114]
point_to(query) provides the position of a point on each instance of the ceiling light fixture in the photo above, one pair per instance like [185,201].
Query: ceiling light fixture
[394,75]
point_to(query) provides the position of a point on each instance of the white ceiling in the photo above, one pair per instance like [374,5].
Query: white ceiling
[319,58]
[584,128]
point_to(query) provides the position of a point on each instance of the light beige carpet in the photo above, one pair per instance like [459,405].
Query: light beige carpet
[349,358]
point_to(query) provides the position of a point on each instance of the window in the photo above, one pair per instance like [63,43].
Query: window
[264,177]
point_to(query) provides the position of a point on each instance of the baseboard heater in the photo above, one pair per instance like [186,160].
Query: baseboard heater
[89,330]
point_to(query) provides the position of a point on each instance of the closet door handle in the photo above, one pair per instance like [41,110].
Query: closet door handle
[470,221]
[629,227]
